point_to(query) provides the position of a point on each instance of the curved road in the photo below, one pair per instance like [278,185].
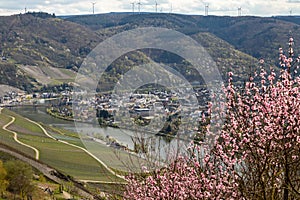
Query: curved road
[64,142]
[37,153]
[49,172]
[81,148]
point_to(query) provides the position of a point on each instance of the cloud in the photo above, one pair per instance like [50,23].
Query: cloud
[216,7]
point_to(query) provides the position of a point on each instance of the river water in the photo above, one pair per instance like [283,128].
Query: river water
[39,114]
[159,144]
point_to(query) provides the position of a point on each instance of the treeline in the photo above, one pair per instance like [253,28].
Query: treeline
[43,15]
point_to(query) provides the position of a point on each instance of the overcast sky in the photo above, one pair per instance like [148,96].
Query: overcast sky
[216,7]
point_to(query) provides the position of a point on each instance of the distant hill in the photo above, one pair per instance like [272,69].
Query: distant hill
[250,37]
[259,37]
[34,44]
[43,40]
[292,18]
[31,40]
[256,36]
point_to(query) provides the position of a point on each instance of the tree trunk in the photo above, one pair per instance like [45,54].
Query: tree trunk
[286,179]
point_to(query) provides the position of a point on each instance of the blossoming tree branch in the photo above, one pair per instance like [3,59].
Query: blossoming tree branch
[256,154]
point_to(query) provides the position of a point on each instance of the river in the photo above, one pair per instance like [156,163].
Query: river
[124,137]
[39,114]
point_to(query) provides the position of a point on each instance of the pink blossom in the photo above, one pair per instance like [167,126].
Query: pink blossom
[256,155]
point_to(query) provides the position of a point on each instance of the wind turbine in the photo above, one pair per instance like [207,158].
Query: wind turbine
[93,7]
[239,11]
[25,6]
[139,6]
[132,7]
[156,6]
[206,9]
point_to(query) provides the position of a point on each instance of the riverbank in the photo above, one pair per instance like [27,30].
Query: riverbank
[116,144]
[116,159]
[57,115]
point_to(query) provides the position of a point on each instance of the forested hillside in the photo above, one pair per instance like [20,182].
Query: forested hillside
[42,41]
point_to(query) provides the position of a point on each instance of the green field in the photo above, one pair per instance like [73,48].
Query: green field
[70,160]
[7,137]
[64,135]
[117,160]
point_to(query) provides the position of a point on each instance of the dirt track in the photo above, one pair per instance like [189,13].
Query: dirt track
[37,153]
[48,172]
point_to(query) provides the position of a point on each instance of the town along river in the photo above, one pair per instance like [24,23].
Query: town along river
[161,146]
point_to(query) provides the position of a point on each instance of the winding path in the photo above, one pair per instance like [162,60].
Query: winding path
[48,171]
[64,142]
[37,153]
[81,148]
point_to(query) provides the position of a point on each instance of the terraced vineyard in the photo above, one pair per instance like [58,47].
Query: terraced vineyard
[68,159]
